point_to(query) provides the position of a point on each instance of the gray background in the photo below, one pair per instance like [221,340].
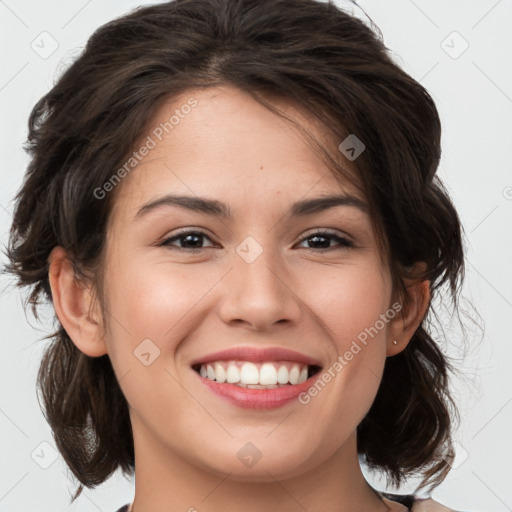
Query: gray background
[472,88]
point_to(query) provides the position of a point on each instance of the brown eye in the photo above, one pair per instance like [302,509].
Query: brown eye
[322,240]
[190,240]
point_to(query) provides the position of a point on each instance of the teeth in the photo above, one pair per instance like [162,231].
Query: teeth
[267,375]
[282,375]
[220,373]
[233,374]
[258,386]
[249,374]
[294,374]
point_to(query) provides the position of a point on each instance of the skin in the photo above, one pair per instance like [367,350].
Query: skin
[312,300]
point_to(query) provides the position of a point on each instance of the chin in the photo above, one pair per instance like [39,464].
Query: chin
[261,461]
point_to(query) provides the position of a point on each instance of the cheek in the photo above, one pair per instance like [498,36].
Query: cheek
[151,302]
[350,301]
[154,301]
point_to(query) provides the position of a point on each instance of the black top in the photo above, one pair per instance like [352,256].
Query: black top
[408,500]
[404,500]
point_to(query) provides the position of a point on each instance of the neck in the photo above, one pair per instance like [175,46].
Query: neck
[166,482]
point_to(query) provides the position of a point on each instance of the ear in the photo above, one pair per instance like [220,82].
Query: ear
[74,305]
[414,307]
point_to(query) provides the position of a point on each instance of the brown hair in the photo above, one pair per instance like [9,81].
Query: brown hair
[309,52]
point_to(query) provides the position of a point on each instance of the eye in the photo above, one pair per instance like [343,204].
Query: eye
[321,240]
[192,240]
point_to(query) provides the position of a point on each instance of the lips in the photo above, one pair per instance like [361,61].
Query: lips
[272,396]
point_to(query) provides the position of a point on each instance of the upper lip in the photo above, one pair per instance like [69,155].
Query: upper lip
[257,354]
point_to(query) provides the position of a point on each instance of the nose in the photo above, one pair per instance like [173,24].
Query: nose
[260,293]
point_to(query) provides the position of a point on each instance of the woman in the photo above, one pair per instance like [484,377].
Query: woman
[233,208]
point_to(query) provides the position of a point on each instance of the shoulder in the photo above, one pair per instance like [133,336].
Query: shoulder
[429,506]
[417,505]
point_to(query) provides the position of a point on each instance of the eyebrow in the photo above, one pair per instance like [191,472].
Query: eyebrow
[218,209]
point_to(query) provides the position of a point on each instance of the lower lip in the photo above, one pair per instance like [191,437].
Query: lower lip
[258,398]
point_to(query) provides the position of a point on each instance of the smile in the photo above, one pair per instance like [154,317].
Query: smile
[261,375]
[258,383]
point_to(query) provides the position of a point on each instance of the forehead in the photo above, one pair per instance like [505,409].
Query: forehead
[220,142]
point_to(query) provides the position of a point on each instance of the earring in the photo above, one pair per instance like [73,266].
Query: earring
[395,342]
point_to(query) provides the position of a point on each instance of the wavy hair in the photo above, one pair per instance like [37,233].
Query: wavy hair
[324,60]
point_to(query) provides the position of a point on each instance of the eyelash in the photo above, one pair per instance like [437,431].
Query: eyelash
[344,243]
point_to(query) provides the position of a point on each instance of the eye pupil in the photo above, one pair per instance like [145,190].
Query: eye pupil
[195,236]
[321,237]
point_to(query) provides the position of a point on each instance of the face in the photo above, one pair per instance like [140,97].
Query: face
[184,283]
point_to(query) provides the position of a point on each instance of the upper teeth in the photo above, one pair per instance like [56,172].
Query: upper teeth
[267,373]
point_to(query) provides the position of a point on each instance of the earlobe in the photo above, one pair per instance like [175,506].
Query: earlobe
[74,305]
[414,308]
